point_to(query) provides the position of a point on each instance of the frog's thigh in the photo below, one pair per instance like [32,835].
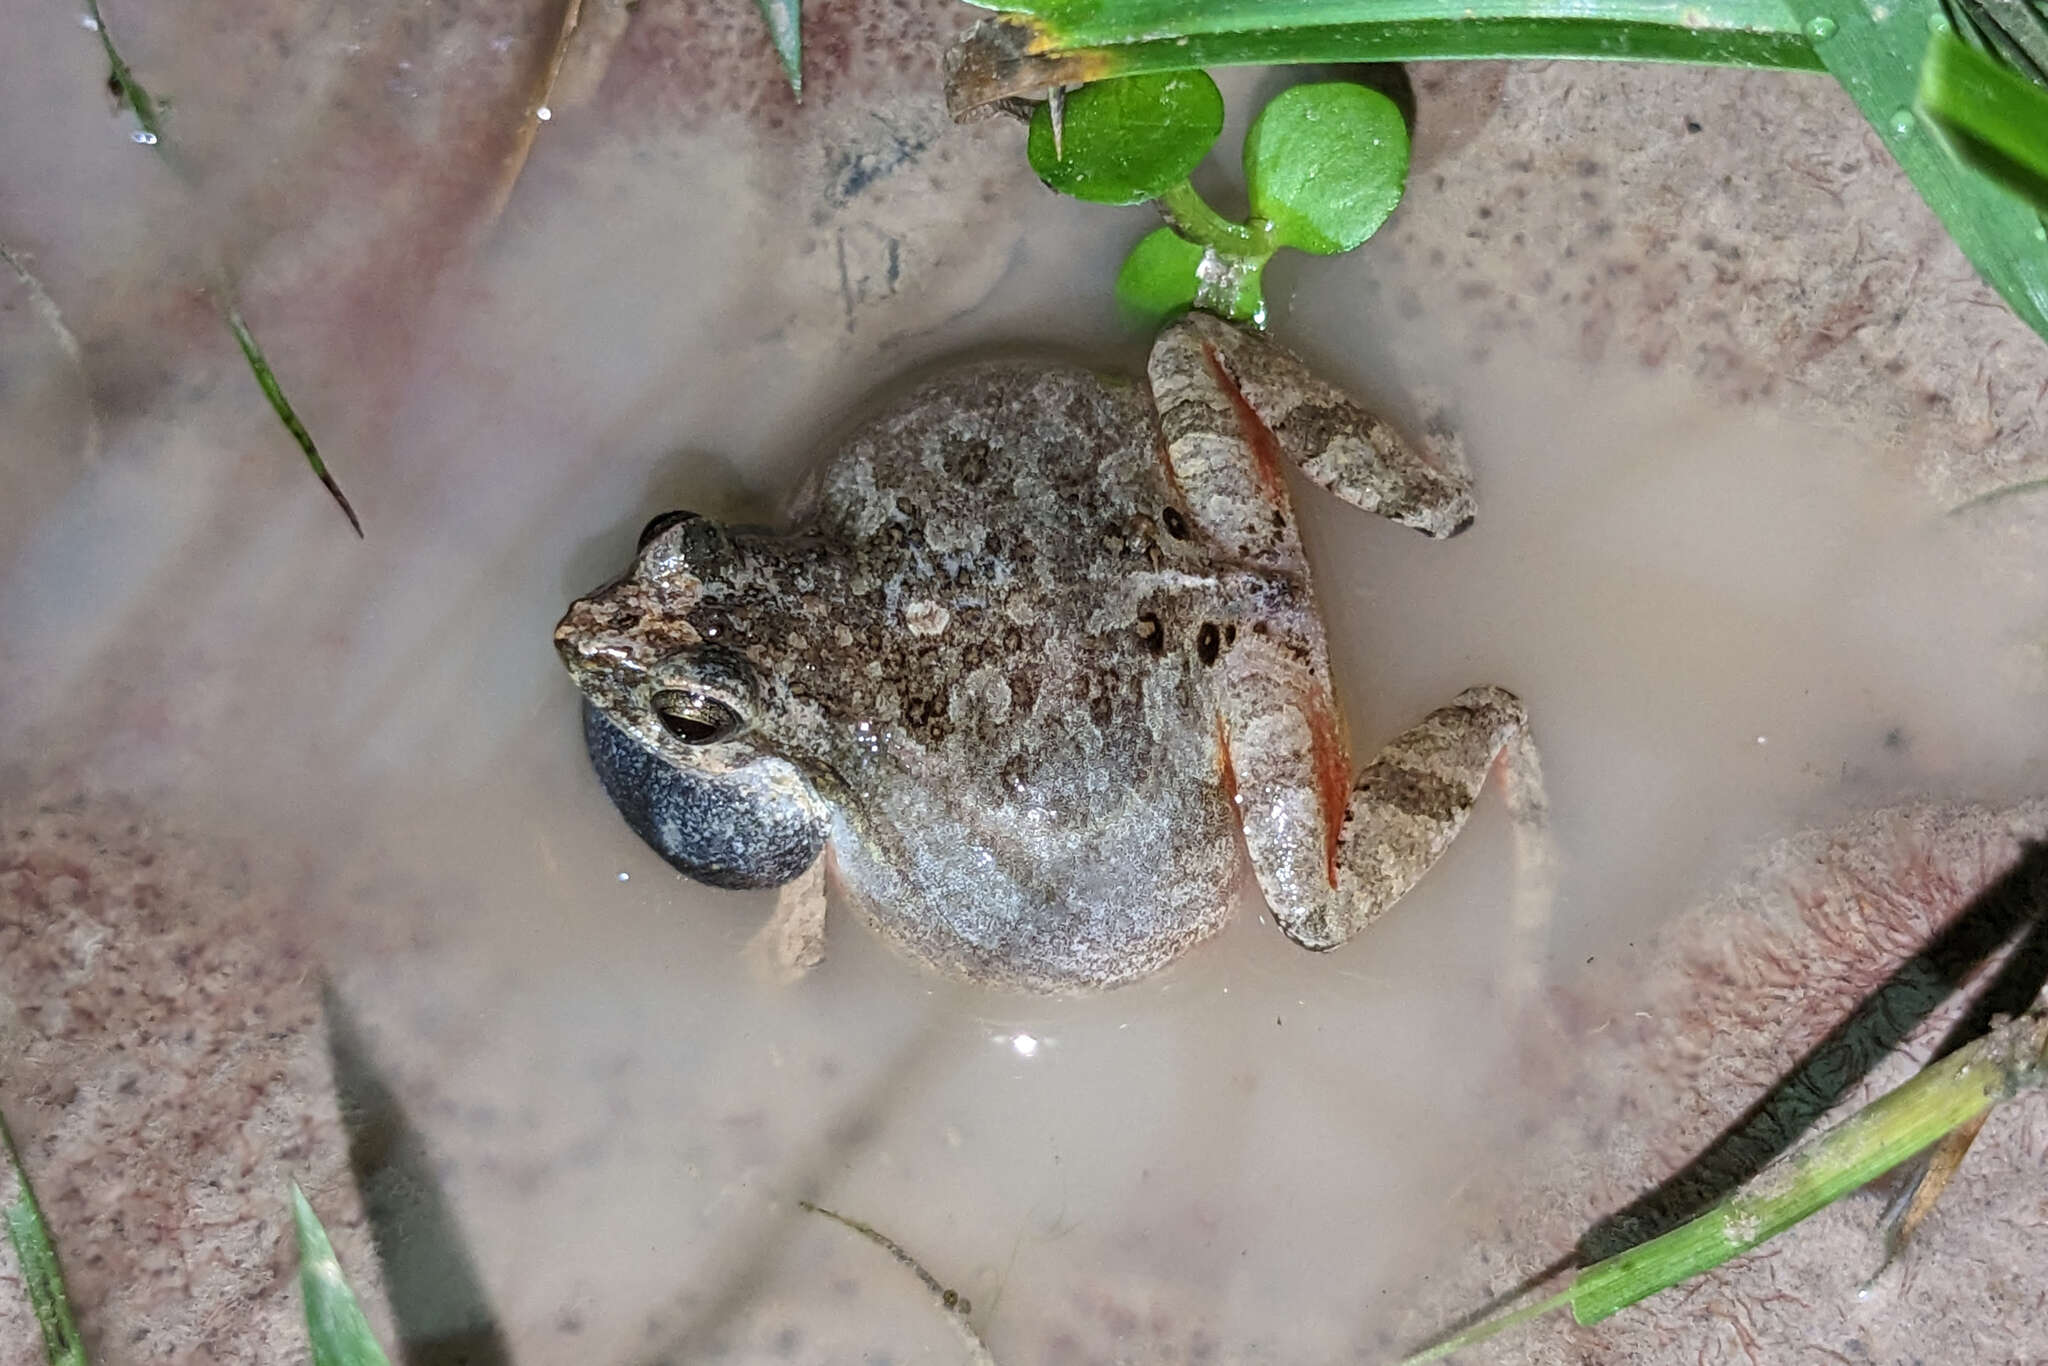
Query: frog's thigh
[1208,374]
[1332,855]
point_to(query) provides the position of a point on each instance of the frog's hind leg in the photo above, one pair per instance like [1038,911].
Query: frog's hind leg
[1208,373]
[1332,849]
[1331,854]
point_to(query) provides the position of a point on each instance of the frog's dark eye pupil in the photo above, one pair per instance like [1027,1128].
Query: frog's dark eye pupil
[660,524]
[695,720]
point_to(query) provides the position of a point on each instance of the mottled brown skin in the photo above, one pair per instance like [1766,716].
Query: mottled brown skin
[1040,642]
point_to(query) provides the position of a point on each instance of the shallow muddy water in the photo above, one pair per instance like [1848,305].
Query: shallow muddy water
[1730,620]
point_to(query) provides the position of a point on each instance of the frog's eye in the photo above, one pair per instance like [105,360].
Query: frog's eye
[661,523]
[694,718]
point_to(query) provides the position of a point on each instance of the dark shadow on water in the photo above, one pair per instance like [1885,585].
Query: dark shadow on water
[443,1316]
[2016,903]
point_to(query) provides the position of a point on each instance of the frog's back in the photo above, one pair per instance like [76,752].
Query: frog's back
[1039,799]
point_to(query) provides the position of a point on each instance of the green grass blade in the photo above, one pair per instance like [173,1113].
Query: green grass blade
[1878,63]
[1101,22]
[283,408]
[138,99]
[1995,121]
[786,29]
[334,1321]
[1851,1155]
[1943,1096]
[1034,47]
[40,1273]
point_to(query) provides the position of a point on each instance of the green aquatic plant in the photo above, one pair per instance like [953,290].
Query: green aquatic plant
[1965,148]
[1324,165]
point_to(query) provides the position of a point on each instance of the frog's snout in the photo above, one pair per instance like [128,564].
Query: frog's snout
[585,636]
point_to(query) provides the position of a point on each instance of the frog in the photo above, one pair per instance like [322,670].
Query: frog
[1034,671]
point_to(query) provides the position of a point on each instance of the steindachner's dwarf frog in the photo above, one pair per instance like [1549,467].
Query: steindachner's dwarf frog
[1039,645]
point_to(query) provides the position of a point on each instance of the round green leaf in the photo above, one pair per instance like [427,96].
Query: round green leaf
[1159,277]
[1325,164]
[1166,274]
[1127,140]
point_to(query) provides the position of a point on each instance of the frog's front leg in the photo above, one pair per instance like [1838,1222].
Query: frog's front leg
[792,942]
[1211,377]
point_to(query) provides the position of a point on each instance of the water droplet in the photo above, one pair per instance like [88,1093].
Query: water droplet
[625,877]
[1937,22]
[2041,232]
[1902,121]
[88,23]
[143,136]
[543,113]
[1820,28]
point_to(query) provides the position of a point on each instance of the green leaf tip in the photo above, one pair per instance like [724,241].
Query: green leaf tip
[335,1326]
[273,391]
[1325,164]
[1159,277]
[785,30]
[1878,61]
[1993,119]
[1129,140]
[41,1275]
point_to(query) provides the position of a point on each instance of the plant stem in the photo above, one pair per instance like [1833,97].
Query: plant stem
[1193,219]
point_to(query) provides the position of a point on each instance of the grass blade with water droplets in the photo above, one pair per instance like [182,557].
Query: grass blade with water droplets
[283,409]
[335,1325]
[132,93]
[40,1273]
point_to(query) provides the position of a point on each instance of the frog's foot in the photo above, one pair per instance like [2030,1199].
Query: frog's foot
[793,940]
[1218,384]
[1332,855]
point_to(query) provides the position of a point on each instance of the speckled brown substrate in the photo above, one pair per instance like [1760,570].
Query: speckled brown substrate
[1747,228]
[163,1067]
[1737,994]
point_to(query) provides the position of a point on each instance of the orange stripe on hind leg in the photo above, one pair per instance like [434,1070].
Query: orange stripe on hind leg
[1332,759]
[1265,446]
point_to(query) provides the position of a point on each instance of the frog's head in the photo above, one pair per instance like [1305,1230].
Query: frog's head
[676,721]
